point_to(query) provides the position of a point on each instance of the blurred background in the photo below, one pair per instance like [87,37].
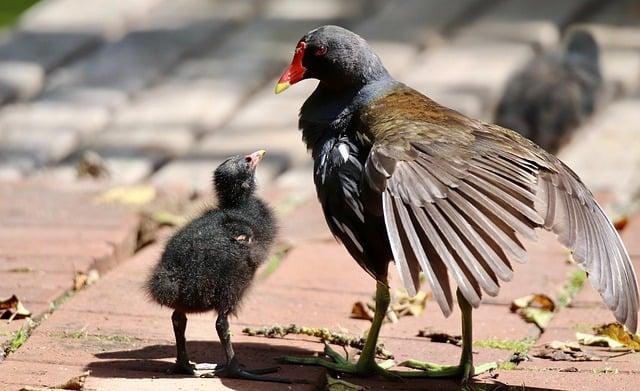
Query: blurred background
[160,91]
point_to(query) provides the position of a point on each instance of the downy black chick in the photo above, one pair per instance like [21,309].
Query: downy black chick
[548,99]
[209,264]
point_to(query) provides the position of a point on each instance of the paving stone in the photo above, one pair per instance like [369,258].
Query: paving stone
[45,264]
[537,380]
[49,35]
[456,68]
[166,35]
[281,144]
[176,103]
[48,115]
[399,30]
[595,153]
[17,374]
[41,288]
[165,141]
[298,180]
[307,224]
[193,174]
[19,79]
[266,111]
[312,10]
[40,146]
[108,17]
[611,36]
[525,21]
[616,24]
[621,68]
[9,173]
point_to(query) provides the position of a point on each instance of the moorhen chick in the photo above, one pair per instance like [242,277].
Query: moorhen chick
[209,264]
[554,94]
[403,178]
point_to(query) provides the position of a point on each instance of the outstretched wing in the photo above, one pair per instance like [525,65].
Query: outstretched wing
[457,194]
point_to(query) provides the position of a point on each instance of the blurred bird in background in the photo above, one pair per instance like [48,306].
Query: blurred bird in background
[555,93]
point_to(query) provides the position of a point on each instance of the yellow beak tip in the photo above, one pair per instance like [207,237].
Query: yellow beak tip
[282,86]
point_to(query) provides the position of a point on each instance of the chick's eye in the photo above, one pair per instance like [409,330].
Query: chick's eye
[320,51]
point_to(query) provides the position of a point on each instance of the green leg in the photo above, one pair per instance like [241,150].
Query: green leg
[465,370]
[366,364]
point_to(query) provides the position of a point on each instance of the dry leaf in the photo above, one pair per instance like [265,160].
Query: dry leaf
[617,332]
[360,310]
[561,351]
[12,308]
[92,165]
[409,305]
[597,340]
[537,300]
[441,337]
[168,218]
[537,308]
[401,305]
[128,195]
[334,384]
[537,316]
[621,222]
[83,279]
[75,383]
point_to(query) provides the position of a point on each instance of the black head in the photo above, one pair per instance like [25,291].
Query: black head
[334,55]
[234,179]
[581,46]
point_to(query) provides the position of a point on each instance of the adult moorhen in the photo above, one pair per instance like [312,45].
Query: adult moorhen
[403,178]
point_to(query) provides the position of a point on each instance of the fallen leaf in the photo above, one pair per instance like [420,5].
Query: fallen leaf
[82,279]
[441,337]
[409,305]
[360,310]
[401,305]
[537,308]
[537,300]
[621,222]
[75,383]
[617,332]
[597,340]
[538,316]
[560,351]
[128,195]
[12,308]
[92,165]
[167,218]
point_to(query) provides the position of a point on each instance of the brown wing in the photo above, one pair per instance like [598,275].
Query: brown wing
[457,194]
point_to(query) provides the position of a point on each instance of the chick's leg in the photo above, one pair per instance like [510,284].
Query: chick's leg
[232,368]
[183,365]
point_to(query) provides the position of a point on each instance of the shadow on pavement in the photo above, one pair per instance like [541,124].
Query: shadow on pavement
[154,361]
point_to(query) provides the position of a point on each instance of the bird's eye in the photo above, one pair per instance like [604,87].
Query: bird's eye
[320,51]
[247,159]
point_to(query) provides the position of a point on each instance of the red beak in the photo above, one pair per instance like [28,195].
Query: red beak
[295,72]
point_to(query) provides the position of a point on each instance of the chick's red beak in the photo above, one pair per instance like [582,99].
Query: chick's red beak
[254,158]
[295,72]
